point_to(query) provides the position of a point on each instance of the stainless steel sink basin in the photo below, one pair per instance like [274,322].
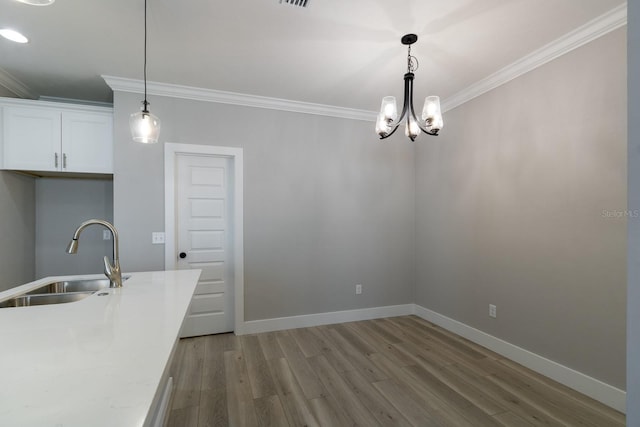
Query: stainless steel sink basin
[44,299]
[81,285]
[59,292]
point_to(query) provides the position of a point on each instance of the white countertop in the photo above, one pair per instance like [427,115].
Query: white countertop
[94,362]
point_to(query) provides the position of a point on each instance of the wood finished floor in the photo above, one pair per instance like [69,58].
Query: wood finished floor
[401,371]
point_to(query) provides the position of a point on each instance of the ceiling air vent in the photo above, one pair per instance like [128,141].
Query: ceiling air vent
[301,3]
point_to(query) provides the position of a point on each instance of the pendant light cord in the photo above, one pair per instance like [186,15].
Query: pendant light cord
[145,57]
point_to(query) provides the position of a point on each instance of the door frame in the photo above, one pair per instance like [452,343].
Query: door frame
[235,155]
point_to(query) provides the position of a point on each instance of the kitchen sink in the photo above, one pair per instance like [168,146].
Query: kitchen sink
[59,292]
[43,299]
[80,285]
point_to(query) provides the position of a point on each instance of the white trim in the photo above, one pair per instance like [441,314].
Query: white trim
[73,101]
[15,86]
[59,105]
[233,98]
[596,389]
[309,320]
[236,155]
[598,27]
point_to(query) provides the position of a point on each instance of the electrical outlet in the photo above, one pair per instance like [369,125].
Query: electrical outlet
[492,311]
[106,235]
[358,289]
[157,238]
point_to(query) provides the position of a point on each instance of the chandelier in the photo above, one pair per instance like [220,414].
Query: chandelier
[431,120]
[145,127]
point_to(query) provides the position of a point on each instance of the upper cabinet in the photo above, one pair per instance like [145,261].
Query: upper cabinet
[87,142]
[56,137]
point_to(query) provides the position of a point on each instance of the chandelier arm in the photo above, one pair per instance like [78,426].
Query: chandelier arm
[409,105]
[434,133]
[391,133]
[418,122]
[408,80]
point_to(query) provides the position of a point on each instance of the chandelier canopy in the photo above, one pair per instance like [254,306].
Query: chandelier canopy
[430,121]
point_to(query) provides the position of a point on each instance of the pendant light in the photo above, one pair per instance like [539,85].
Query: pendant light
[145,127]
[431,120]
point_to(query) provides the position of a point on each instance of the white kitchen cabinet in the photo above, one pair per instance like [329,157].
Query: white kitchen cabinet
[87,142]
[56,137]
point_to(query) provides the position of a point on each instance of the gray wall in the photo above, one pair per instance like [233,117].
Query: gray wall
[17,229]
[327,205]
[4,92]
[521,203]
[61,206]
[633,297]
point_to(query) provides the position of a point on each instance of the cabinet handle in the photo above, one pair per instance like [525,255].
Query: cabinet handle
[64,160]
[56,160]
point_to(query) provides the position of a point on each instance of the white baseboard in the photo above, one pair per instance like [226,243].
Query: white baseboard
[309,320]
[596,389]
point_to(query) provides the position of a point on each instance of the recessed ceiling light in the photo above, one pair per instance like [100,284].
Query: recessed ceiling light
[37,2]
[12,35]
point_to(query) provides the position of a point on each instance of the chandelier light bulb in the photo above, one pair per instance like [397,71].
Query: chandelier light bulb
[412,130]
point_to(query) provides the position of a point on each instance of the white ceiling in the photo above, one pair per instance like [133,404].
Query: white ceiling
[336,52]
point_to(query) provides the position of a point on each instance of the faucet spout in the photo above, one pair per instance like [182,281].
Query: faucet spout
[112,271]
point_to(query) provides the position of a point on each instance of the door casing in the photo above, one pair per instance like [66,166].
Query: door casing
[235,154]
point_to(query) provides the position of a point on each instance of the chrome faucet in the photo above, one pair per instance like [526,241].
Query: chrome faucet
[112,271]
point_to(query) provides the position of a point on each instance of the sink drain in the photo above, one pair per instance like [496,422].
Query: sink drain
[101,294]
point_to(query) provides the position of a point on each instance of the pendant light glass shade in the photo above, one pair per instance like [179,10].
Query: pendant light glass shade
[145,127]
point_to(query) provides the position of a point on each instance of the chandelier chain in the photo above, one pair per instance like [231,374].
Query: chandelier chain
[412,62]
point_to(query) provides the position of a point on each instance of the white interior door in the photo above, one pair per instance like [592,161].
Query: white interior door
[203,225]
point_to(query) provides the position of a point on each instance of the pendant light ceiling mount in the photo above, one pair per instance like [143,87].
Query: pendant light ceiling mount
[145,127]
[430,121]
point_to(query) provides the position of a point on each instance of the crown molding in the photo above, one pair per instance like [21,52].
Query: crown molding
[76,101]
[598,27]
[223,97]
[15,86]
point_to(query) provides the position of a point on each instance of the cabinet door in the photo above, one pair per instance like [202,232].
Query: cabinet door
[87,142]
[31,139]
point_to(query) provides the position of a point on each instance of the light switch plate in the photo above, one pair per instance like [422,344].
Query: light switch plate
[157,238]
[106,235]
